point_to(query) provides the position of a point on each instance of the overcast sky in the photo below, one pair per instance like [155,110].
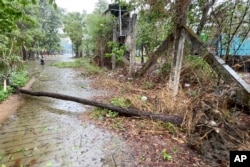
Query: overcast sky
[77,5]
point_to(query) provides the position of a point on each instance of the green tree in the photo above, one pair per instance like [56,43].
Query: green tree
[98,34]
[51,21]
[74,24]
[101,6]
[20,29]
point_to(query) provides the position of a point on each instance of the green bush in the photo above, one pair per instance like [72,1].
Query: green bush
[99,113]
[121,102]
[17,79]
[4,94]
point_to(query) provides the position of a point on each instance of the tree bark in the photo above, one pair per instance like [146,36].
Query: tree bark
[123,111]
[207,6]
[24,53]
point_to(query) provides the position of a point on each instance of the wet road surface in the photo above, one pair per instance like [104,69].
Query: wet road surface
[47,132]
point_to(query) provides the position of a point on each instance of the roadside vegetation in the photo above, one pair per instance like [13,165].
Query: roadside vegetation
[17,79]
[85,63]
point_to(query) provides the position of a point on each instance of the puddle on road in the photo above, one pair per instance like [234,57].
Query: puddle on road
[47,132]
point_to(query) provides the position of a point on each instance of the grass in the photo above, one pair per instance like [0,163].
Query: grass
[99,113]
[4,94]
[89,68]
[121,102]
[69,64]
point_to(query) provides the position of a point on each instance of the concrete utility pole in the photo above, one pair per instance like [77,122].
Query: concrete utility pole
[120,20]
[132,49]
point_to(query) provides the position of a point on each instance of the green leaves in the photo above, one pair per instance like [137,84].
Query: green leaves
[121,102]
[166,156]
[116,50]
[74,24]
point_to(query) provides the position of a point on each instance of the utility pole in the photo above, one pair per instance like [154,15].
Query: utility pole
[120,19]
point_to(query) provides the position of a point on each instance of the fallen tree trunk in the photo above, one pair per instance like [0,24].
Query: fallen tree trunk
[123,111]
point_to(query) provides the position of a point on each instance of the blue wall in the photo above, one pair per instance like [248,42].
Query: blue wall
[238,47]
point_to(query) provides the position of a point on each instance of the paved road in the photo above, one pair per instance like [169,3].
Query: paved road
[46,132]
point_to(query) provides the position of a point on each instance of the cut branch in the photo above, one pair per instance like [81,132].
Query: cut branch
[123,111]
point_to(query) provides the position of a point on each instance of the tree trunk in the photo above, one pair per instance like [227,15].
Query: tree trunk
[123,111]
[77,51]
[205,10]
[24,53]
[142,55]
[102,55]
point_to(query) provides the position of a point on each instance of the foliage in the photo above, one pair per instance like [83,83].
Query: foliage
[26,27]
[101,6]
[103,113]
[116,50]
[50,20]
[19,79]
[98,32]
[91,68]
[9,62]
[166,156]
[4,94]
[165,68]
[230,21]
[121,102]
[196,70]
[148,85]
[152,30]
[74,24]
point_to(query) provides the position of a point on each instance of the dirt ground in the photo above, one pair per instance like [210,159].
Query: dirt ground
[149,141]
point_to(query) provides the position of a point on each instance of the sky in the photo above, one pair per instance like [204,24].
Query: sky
[77,5]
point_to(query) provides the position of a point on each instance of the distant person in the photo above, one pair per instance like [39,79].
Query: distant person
[42,60]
